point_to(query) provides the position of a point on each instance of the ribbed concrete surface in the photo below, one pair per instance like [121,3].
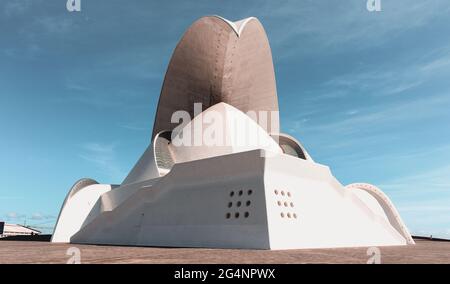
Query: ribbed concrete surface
[212,64]
[40,252]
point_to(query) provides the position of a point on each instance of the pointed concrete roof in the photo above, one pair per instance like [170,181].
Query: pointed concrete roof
[219,61]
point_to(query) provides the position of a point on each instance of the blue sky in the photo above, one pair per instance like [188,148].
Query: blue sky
[367,93]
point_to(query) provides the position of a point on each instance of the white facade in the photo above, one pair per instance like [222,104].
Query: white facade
[267,193]
[236,197]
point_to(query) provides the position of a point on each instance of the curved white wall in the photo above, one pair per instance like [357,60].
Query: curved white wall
[144,169]
[238,132]
[381,205]
[76,209]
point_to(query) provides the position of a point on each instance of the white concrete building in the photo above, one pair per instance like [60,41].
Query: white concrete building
[242,184]
[7,230]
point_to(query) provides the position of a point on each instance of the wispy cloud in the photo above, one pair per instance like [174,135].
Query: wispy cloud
[61,25]
[346,22]
[104,157]
[37,216]
[77,87]
[127,77]
[432,182]
[438,64]
[385,80]
[135,127]
[17,7]
[367,118]
[15,216]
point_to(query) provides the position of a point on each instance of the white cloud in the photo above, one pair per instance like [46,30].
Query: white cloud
[438,64]
[332,25]
[56,24]
[40,216]
[103,156]
[417,109]
[37,216]
[385,80]
[432,182]
[134,127]
[17,7]
[15,215]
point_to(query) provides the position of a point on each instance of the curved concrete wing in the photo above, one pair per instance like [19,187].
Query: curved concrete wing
[291,146]
[155,162]
[78,204]
[389,209]
[227,131]
[219,61]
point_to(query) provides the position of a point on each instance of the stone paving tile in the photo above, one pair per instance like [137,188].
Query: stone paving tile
[424,251]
